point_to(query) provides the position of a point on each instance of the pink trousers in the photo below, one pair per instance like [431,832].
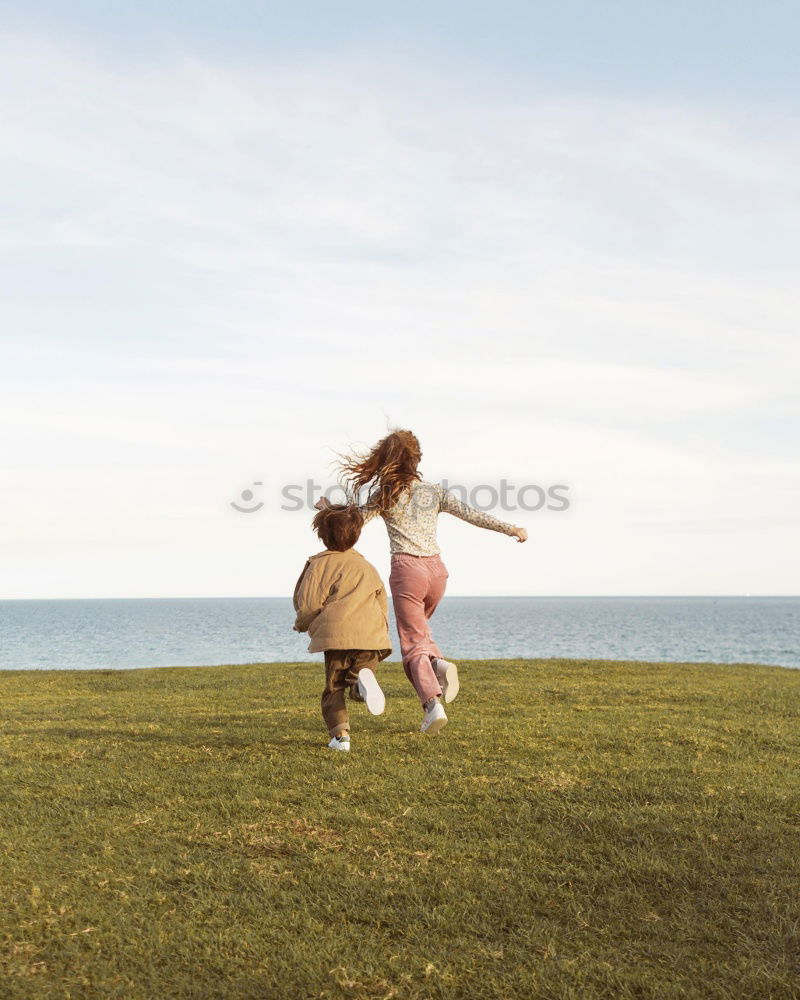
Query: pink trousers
[418,584]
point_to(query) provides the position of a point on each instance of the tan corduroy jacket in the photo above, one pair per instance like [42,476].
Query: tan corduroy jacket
[341,602]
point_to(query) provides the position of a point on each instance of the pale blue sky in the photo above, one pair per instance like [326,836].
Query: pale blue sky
[557,240]
[747,50]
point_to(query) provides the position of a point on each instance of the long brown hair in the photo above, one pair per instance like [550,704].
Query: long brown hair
[388,468]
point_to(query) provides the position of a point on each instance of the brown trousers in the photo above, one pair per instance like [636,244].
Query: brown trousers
[341,672]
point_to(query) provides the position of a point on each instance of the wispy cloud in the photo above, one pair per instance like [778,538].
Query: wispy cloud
[235,266]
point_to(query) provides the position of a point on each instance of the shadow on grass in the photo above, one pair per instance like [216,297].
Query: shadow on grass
[302,733]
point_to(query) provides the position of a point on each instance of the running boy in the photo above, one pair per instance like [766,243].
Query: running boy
[341,602]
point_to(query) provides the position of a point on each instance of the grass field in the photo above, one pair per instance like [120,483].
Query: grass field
[580,829]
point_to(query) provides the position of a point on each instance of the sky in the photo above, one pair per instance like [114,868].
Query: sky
[558,241]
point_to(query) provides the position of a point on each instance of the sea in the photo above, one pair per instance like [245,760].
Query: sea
[120,634]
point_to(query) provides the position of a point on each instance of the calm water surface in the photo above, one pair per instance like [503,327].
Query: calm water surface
[83,634]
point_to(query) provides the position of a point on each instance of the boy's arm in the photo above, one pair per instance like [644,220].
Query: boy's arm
[450,504]
[308,598]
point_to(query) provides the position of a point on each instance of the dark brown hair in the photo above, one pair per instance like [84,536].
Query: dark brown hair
[338,526]
[387,469]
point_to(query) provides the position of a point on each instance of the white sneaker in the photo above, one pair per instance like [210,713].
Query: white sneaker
[447,676]
[435,719]
[340,743]
[370,691]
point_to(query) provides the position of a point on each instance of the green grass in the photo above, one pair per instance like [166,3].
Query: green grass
[580,829]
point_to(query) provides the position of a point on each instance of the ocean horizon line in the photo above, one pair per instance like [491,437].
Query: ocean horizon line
[476,597]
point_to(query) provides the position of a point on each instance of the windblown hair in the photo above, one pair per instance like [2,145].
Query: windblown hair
[387,470]
[338,526]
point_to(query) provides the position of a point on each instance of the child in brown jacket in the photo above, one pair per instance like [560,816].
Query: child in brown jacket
[341,602]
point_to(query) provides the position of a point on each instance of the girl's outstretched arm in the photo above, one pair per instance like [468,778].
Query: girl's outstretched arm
[367,511]
[450,504]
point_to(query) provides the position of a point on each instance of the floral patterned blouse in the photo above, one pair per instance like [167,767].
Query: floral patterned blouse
[411,523]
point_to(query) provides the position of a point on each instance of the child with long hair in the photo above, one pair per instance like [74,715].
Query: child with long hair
[410,506]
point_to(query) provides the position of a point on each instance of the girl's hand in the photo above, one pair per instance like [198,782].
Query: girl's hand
[520,534]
